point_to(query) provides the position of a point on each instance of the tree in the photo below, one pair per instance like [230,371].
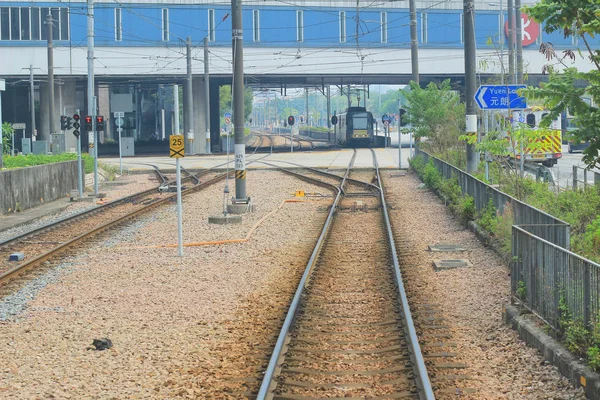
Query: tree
[574,18]
[436,112]
[225,101]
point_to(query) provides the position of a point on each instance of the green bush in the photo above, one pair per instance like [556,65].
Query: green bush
[431,176]
[488,219]
[467,209]
[417,164]
[451,190]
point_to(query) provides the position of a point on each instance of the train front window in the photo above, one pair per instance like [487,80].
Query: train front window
[360,121]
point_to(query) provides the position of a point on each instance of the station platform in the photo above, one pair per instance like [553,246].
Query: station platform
[387,158]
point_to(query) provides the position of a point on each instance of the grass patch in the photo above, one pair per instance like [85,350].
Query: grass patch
[31,160]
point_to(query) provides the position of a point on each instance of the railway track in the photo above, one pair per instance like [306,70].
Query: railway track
[349,332]
[49,241]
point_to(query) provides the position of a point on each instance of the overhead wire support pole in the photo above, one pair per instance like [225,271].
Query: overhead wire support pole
[519,40]
[206,95]
[32,100]
[414,44]
[50,79]
[189,100]
[90,89]
[470,81]
[238,101]
[511,42]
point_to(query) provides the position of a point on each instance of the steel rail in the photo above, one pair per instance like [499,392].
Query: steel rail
[92,211]
[283,338]
[294,307]
[21,268]
[416,354]
[357,182]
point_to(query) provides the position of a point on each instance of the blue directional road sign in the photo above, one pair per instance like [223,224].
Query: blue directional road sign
[500,97]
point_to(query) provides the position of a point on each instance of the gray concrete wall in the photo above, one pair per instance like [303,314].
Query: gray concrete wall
[23,188]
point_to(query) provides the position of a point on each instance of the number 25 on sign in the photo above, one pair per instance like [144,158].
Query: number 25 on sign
[176,146]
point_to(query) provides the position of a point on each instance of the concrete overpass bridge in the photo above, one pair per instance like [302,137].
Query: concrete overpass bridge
[140,52]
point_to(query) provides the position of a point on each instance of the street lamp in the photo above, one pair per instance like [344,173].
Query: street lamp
[501,37]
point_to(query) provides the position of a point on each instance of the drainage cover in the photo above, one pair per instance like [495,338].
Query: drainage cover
[446,247]
[440,265]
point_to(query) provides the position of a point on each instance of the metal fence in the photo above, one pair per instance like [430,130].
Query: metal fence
[546,226]
[543,273]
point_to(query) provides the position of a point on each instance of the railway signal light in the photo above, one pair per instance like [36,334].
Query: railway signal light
[88,123]
[334,120]
[302,119]
[291,120]
[402,118]
[76,125]
[100,123]
[63,122]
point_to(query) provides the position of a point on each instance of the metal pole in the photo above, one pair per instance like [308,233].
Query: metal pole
[206,96]
[238,101]
[414,44]
[32,100]
[328,113]
[519,39]
[511,42]
[90,88]
[50,79]
[501,40]
[120,130]
[306,107]
[79,166]
[94,113]
[176,109]
[470,79]
[179,210]
[189,101]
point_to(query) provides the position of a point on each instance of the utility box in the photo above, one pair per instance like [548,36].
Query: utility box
[40,147]
[26,146]
[58,143]
[128,146]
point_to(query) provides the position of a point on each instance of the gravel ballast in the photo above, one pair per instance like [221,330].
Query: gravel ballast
[469,300]
[131,184]
[193,327]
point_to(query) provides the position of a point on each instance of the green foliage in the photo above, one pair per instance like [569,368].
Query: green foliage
[314,129]
[225,102]
[451,190]
[575,18]
[436,112]
[466,209]
[487,218]
[40,159]
[7,131]
[504,225]
[521,290]
[417,164]
[431,176]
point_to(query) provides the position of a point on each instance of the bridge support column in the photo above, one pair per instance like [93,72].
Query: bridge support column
[215,117]
[199,146]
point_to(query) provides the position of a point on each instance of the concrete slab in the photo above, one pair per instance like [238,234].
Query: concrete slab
[21,218]
[225,219]
[441,265]
[442,247]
